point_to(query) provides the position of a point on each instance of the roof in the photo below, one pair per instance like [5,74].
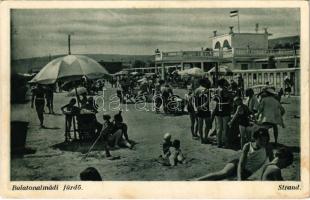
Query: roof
[227,34]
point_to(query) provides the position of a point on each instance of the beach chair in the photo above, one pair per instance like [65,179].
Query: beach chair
[86,126]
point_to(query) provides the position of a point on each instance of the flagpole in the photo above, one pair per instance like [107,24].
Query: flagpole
[238,22]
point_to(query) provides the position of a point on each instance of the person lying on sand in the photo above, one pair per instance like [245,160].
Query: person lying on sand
[254,155]
[272,171]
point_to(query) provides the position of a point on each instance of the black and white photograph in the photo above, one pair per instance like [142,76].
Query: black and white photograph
[193,94]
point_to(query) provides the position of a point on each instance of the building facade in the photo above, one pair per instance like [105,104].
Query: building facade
[247,54]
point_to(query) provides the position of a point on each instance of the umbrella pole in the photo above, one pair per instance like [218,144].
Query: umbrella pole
[77,97]
[92,146]
[217,73]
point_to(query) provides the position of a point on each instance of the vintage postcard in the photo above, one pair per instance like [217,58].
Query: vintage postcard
[154,99]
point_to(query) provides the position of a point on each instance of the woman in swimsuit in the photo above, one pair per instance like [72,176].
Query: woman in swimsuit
[254,155]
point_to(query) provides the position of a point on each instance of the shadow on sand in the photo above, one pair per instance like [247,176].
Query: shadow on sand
[52,128]
[21,152]
[83,146]
[56,114]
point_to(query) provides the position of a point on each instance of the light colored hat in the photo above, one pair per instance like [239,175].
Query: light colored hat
[167,136]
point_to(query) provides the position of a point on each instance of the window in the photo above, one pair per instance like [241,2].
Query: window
[266,77]
[292,77]
[291,65]
[260,78]
[226,45]
[278,79]
[254,79]
[264,66]
[245,79]
[271,79]
[250,79]
[244,66]
[217,45]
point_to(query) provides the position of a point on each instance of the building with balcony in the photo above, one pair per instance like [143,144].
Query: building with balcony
[247,54]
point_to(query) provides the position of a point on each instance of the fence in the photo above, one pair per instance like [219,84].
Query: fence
[257,77]
[225,53]
[275,78]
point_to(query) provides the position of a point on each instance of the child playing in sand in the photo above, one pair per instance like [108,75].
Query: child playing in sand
[272,171]
[166,144]
[176,155]
[171,152]
[254,155]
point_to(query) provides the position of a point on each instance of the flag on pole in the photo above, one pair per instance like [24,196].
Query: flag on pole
[233,13]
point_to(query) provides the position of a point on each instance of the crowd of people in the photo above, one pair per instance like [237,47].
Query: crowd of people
[239,119]
[235,115]
[81,112]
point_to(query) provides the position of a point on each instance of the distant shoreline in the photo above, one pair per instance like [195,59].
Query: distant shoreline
[24,65]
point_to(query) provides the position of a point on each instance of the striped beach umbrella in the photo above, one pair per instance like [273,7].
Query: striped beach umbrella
[70,67]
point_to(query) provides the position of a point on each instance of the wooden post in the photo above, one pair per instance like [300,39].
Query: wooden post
[69,44]
[163,71]
[78,99]
[216,73]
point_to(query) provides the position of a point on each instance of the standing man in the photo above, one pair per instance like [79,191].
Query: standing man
[287,86]
[38,94]
[240,86]
[222,114]
[201,107]
[49,95]
[166,92]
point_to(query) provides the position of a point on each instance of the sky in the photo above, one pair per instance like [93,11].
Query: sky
[40,32]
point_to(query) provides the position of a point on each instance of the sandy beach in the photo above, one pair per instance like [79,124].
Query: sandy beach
[54,160]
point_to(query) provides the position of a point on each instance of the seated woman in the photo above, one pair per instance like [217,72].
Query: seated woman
[119,137]
[83,100]
[90,105]
[254,155]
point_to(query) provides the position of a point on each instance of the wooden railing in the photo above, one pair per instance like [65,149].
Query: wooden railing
[226,53]
[264,52]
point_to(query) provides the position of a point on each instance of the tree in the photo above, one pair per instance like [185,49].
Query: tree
[139,64]
[278,46]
